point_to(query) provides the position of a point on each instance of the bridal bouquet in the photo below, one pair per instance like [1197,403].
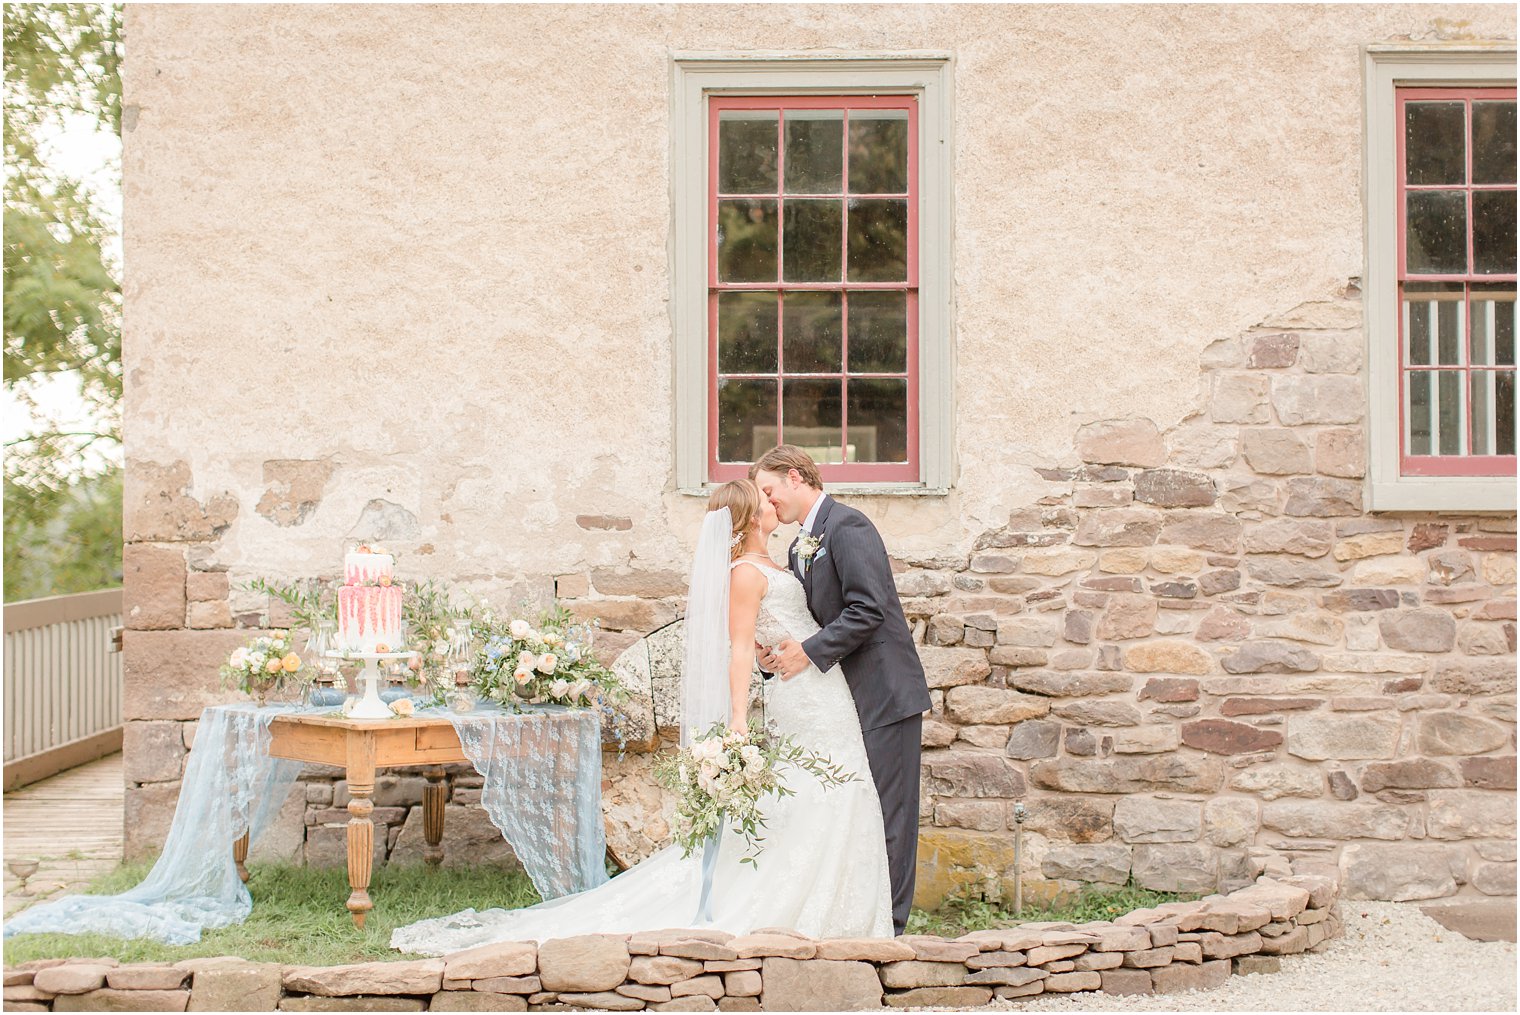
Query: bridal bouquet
[724,775]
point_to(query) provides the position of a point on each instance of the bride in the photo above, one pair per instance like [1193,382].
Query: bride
[823,869]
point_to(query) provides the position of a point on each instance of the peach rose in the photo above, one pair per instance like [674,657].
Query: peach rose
[291,662]
[273,666]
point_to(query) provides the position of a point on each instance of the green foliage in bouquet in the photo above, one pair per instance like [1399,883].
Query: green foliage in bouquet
[725,775]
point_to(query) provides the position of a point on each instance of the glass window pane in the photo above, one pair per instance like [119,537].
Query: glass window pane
[1485,412]
[1436,234]
[746,419]
[747,333]
[814,151]
[1451,418]
[746,241]
[878,151]
[813,329]
[810,418]
[811,240]
[878,241]
[878,332]
[1449,328]
[878,422]
[1494,232]
[1435,138]
[1494,142]
[1493,323]
[1504,413]
[747,151]
[1417,418]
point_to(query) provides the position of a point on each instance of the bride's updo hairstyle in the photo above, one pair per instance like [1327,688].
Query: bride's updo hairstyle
[742,498]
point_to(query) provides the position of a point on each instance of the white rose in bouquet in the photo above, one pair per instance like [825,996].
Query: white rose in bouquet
[581,689]
[559,688]
[547,662]
[521,629]
[526,660]
[239,658]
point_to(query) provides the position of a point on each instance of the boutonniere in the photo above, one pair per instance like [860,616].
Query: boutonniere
[807,545]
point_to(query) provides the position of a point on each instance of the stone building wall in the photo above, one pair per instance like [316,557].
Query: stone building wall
[360,305]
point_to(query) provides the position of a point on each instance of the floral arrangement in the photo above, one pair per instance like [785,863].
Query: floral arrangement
[548,661]
[724,775]
[265,664]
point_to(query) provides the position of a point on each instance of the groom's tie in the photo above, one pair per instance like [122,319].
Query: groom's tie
[791,556]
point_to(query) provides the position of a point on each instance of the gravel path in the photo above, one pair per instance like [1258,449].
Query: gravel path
[1390,958]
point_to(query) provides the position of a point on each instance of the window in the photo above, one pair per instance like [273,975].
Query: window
[1456,303]
[811,268]
[1440,294]
[812,288]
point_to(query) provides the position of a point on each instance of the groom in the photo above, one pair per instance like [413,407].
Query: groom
[842,563]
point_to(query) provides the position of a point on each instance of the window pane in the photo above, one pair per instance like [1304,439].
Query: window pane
[1435,135]
[747,151]
[1494,232]
[810,418]
[811,240]
[878,332]
[746,241]
[1432,314]
[878,421]
[814,151]
[1504,413]
[879,151]
[1494,142]
[746,419]
[1493,412]
[878,241]
[1451,418]
[1417,421]
[1493,324]
[813,328]
[747,333]
[1437,232]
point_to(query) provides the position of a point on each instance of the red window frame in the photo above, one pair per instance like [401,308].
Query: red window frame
[1460,464]
[847,472]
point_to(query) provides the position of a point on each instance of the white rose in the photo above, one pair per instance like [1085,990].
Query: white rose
[580,688]
[238,658]
[547,662]
[256,660]
[526,660]
[521,629]
[559,688]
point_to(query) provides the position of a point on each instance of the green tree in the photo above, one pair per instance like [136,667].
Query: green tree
[62,304]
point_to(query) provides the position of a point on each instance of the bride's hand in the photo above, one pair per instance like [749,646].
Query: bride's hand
[738,724]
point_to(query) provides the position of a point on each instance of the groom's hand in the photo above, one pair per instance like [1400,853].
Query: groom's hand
[790,659]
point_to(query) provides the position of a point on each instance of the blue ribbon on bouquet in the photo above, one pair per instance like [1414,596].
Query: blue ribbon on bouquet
[709,866]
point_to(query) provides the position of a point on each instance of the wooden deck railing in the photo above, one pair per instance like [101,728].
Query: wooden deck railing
[62,683]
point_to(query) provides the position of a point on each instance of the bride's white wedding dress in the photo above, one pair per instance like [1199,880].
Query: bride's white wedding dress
[823,869]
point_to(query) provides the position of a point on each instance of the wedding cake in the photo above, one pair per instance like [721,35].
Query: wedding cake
[369,605]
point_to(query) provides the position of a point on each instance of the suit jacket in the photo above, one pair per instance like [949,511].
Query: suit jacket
[851,594]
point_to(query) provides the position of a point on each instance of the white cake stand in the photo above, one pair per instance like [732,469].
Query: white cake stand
[370,706]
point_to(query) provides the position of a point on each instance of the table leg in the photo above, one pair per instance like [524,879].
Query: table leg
[432,816]
[240,856]
[361,830]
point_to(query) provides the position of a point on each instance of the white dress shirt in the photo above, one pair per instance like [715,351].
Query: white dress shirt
[807,525]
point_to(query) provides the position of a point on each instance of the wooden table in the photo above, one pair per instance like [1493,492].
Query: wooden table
[360,746]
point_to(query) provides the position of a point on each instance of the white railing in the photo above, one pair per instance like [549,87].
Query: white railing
[62,683]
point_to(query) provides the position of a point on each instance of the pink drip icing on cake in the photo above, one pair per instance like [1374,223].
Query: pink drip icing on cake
[369,615]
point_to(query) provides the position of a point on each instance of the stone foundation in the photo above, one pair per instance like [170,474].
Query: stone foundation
[1175,947]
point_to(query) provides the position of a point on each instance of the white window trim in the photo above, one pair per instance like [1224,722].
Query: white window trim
[697,75]
[1385,67]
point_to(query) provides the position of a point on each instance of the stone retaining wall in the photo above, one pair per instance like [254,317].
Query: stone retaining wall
[1175,947]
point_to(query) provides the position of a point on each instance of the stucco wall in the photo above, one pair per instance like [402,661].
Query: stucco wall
[404,272]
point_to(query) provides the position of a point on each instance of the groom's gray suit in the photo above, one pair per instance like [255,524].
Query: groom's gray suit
[851,594]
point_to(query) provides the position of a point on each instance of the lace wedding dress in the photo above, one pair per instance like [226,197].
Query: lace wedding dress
[823,869]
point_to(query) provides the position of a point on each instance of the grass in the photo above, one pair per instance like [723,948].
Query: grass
[299,919]
[298,915]
[962,914]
